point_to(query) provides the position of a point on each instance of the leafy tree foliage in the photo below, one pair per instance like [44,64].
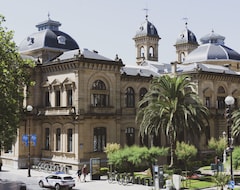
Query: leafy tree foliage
[173,105]
[236,157]
[185,152]
[129,157]
[217,145]
[111,147]
[14,76]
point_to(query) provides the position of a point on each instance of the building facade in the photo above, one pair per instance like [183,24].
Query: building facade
[82,100]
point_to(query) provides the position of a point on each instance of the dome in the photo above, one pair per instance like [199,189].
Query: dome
[212,48]
[186,36]
[48,37]
[147,29]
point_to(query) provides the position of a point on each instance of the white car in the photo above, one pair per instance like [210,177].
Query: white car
[57,181]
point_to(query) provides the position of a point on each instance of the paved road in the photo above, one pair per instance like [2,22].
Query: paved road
[32,182]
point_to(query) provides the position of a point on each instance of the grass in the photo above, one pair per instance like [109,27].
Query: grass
[197,184]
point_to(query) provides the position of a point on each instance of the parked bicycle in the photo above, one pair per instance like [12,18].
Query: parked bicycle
[113,176]
[126,178]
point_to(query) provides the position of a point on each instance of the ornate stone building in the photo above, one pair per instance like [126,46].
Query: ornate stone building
[82,100]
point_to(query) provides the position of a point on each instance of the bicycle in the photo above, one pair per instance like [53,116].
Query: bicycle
[113,176]
[127,178]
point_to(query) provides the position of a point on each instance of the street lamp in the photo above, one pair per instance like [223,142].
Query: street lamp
[29,109]
[224,151]
[229,101]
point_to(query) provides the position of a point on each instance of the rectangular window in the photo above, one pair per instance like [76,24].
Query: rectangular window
[207,103]
[99,139]
[58,139]
[47,99]
[69,97]
[220,102]
[47,139]
[69,140]
[57,98]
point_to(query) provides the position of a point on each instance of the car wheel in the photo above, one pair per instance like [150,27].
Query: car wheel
[57,187]
[70,188]
[41,184]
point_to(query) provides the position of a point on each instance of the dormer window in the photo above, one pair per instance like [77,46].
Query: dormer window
[61,40]
[30,40]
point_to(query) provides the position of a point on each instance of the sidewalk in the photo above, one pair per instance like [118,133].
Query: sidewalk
[88,185]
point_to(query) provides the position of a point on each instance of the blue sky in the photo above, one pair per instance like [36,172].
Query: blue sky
[108,26]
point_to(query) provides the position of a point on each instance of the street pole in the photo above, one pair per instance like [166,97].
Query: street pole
[29,109]
[224,151]
[229,101]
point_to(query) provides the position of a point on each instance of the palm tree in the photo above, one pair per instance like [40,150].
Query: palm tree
[236,122]
[172,106]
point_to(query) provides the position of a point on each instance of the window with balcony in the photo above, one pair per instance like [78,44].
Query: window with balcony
[99,139]
[47,99]
[57,98]
[69,97]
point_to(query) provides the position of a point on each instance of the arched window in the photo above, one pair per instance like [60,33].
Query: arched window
[142,52]
[99,94]
[182,57]
[130,97]
[69,140]
[142,93]
[221,98]
[58,139]
[99,139]
[151,52]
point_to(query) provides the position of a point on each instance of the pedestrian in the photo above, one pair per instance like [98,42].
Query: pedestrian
[79,173]
[84,172]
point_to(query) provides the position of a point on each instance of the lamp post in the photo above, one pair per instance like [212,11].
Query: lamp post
[229,101]
[224,151]
[29,109]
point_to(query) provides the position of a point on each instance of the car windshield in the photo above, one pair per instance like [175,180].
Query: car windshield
[68,178]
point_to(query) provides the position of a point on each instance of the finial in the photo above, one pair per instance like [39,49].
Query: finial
[146,13]
[186,21]
[48,16]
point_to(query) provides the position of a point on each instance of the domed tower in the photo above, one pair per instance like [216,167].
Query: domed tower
[213,50]
[48,43]
[186,42]
[146,42]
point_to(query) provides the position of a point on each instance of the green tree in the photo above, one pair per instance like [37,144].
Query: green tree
[217,145]
[173,105]
[236,122]
[185,152]
[129,157]
[14,76]
[236,157]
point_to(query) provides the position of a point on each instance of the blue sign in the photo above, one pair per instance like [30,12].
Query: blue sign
[231,184]
[33,139]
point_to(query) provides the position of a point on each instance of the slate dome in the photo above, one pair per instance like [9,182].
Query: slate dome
[186,36]
[147,29]
[212,48]
[48,37]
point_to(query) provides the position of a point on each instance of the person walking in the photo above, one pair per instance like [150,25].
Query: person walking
[84,172]
[79,173]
